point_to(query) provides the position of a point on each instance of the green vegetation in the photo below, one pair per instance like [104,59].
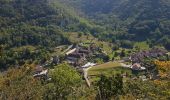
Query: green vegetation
[141,20]
[87,39]
[19,83]
[141,45]
[37,32]
[64,81]
[110,87]
[39,24]
[109,72]
[108,65]
[107,69]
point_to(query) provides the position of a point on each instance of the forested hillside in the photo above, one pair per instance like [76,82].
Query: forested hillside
[35,20]
[135,20]
[42,22]
[39,23]
[84,49]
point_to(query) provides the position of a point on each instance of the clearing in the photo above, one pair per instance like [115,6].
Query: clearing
[108,69]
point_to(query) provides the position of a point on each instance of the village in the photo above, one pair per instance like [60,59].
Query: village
[82,59]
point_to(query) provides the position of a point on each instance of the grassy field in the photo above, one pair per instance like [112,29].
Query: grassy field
[142,45]
[107,69]
[105,66]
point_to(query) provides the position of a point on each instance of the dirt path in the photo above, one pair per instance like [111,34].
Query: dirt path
[85,70]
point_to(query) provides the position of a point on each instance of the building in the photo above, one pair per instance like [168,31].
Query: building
[78,56]
[71,51]
[137,66]
[40,72]
[76,59]
[87,65]
[153,53]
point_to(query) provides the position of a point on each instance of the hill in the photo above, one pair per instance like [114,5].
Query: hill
[37,23]
[134,20]
[48,49]
[41,23]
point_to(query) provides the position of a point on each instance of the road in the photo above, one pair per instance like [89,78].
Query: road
[85,70]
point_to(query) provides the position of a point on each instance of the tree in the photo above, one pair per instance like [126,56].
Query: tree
[109,87]
[127,44]
[116,54]
[151,90]
[79,34]
[19,84]
[123,53]
[64,82]
[167,45]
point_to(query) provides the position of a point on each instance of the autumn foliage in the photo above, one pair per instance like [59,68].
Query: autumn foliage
[164,67]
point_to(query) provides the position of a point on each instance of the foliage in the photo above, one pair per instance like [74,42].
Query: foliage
[64,82]
[109,87]
[127,44]
[147,89]
[37,23]
[30,29]
[20,84]
[163,67]
[19,57]
[141,20]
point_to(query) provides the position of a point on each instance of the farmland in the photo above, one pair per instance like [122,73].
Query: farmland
[108,69]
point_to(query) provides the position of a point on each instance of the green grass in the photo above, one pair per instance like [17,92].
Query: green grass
[95,74]
[109,72]
[105,66]
[142,45]
[109,69]
[106,69]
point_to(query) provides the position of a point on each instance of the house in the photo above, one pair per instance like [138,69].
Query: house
[89,64]
[137,66]
[126,59]
[40,72]
[153,53]
[78,56]
[71,51]
[143,78]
